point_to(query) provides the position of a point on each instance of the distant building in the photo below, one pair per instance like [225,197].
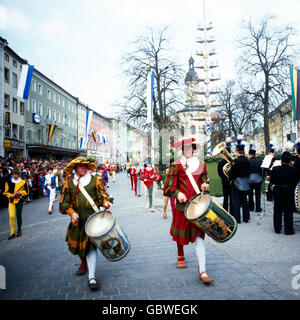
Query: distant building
[13,106]
[48,104]
[192,85]
[81,126]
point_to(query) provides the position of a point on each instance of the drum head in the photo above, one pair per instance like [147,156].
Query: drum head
[197,206]
[99,224]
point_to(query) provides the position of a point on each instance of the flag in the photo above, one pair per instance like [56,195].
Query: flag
[81,144]
[25,81]
[150,87]
[295,84]
[89,114]
[94,135]
[52,128]
[104,141]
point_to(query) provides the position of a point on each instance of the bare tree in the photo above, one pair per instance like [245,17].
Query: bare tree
[267,53]
[152,52]
[241,113]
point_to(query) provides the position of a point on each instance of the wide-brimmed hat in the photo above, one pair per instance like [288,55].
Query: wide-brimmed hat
[90,162]
[184,142]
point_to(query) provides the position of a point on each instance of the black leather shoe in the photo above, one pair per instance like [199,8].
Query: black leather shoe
[93,286]
[289,233]
[258,210]
[11,236]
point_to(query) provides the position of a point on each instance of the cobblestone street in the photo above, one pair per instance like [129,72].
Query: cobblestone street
[255,264]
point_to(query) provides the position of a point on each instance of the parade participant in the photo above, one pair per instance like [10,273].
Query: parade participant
[267,172]
[285,178]
[113,169]
[255,180]
[102,172]
[107,169]
[51,186]
[179,186]
[297,159]
[74,203]
[57,171]
[238,177]
[135,171]
[148,176]
[227,201]
[131,176]
[15,190]
[165,198]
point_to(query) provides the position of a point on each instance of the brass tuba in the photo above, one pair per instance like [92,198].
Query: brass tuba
[220,150]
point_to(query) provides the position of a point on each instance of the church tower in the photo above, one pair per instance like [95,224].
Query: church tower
[192,85]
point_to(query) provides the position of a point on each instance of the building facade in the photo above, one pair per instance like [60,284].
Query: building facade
[13,106]
[81,126]
[101,148]
[49,104]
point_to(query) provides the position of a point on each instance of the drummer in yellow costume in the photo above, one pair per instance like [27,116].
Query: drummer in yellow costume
[74,203]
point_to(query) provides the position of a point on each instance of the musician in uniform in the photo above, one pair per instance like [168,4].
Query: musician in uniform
[179,186]
[297,159]
[238,177]
[255,180]
[74,203]
[225,182]
[267,172]
[284,178]
[15,190]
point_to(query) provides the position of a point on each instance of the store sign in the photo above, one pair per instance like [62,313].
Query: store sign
[13,144]
[7,119]
[36,118]
[6,143]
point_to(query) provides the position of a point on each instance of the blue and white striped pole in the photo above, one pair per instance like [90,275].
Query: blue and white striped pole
[208,134]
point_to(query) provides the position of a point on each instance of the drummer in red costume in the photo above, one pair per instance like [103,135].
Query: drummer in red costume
[179,186]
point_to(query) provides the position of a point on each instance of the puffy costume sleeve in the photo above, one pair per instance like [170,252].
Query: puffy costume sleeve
[102,196]
[25,190]
[65,203]
[170,187]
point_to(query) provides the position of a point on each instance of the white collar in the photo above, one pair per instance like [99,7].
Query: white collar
[85,180]
[149,168]
[15,181]
[192,163]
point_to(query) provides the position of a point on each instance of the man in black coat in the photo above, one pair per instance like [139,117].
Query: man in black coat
[255,181]
[297,160]
[225,185]
[285,178]
[238,177]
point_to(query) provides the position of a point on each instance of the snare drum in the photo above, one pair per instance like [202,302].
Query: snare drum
[104,231]
[209,216]
[297,198]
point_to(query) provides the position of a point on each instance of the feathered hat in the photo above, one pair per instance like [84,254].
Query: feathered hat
[271,147]
[240,143]
[90,162]
[184,142]
[252,151]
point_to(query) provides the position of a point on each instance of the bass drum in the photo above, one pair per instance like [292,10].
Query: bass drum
[297,198]
[209,216]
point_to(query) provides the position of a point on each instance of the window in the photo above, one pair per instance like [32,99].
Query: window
[49,94]
[34,85]
[193,130]
[6,57]
[21,132]
[53,97]
[58,99]
[54,114]
[6,75]
[7,131]
[15,131]
[69,106]
[33,106]
[22,108]
[15,64]
[40,89]
[15,105]
[58,117]
[6,101]
[48,113]
[40,108]
[15,80]
[62,119]
[63,103]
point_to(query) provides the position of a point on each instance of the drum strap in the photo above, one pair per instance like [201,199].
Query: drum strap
[191,178]
[88,197]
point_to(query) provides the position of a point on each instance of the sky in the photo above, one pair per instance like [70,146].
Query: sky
[79,44]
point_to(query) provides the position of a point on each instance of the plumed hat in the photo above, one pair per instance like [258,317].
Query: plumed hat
[184,143]
[240,143]
[90,162]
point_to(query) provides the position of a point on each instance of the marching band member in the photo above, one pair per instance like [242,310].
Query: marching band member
[297,160]
[74,203]
[268,172]
[51,185]
[15,189]
[225,182]
[238,177]
[107,169]
[135,172]
[148,176]
[179,186]
[255,180]
[285,178]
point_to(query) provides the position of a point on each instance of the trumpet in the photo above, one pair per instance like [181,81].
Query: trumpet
[220,150]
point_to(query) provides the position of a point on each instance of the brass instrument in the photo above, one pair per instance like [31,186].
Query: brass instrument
[220,150]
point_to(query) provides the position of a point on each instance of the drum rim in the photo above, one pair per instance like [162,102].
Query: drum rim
[190,201]
[102,235]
